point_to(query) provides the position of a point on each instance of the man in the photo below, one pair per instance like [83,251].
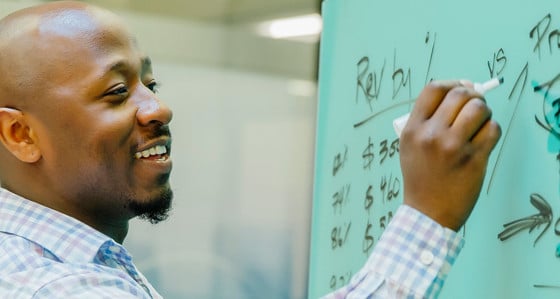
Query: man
[85,148]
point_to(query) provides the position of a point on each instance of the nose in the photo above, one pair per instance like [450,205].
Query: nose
[153,110]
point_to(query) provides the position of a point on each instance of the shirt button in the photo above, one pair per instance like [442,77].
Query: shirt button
[426,257]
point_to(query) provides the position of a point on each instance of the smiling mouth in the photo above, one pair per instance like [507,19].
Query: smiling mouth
[157,152]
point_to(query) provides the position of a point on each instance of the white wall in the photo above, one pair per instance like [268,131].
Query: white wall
[242,156]
[242,151]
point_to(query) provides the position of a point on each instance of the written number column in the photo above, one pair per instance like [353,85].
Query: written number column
[341,220]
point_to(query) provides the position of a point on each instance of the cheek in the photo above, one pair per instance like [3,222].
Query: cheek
[88,141]
[114,129]
[111,139]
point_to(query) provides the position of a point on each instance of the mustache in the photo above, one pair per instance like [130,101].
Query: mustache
[159,131]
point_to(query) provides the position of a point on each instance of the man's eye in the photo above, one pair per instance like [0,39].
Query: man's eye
[153,86]
[117,95]
[118,91]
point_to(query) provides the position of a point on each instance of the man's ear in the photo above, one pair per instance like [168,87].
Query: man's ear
[17,136]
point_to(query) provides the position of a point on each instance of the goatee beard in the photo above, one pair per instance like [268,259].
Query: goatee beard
[154,210]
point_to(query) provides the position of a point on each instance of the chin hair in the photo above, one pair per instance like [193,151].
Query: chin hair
[154,210]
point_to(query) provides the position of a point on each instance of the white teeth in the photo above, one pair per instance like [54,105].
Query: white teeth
[156,150]
[160,149]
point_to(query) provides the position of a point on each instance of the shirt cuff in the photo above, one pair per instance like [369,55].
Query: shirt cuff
[415,254]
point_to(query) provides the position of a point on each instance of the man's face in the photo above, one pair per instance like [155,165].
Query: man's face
[102,131]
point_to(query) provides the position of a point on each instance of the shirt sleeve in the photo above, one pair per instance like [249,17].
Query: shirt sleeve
[92,285]
[411,260]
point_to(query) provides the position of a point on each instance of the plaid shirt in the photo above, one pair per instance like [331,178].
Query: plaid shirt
[411,260]
[46,254]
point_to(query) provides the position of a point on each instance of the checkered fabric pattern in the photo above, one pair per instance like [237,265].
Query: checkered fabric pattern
[47,254]
[411,260]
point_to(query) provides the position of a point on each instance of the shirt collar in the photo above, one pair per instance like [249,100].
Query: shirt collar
[67,238]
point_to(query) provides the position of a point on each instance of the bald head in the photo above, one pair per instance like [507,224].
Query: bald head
[44,49]
[34,39]
[53,54]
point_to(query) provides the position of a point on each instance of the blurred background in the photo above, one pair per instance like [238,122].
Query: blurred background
[241,78]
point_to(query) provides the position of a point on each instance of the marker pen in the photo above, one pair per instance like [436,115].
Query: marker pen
[482,88]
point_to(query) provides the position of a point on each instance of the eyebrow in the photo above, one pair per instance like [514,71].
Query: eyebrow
[146,62]
[145,65]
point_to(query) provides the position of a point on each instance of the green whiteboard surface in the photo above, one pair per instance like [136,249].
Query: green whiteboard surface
[375,57]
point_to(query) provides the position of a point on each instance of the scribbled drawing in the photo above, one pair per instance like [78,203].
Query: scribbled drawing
[550,119]
[544,216]
[546,123]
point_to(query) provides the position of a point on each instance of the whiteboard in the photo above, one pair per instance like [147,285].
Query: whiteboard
[375,57]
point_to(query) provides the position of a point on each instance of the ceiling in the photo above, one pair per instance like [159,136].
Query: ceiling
[235,44]
[219,11]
